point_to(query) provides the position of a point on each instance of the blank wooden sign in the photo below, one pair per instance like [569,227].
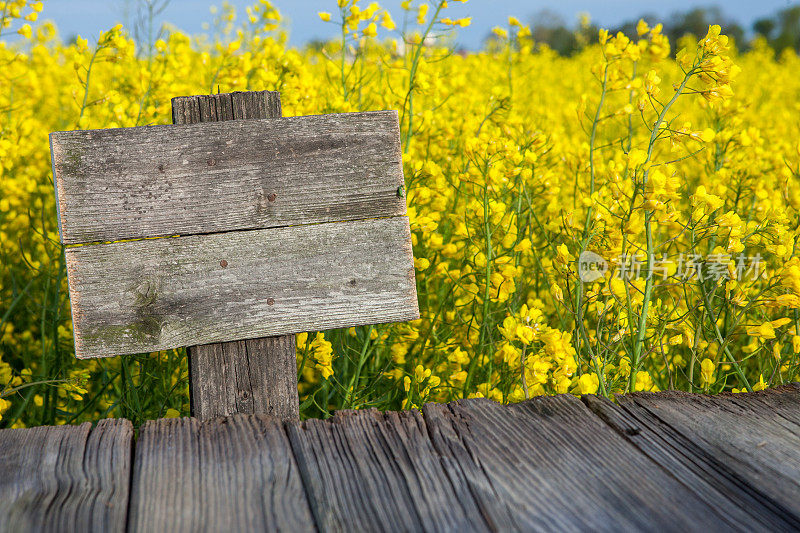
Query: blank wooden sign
[232,230]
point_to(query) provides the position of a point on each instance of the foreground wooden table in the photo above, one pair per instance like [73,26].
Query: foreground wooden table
[666,461]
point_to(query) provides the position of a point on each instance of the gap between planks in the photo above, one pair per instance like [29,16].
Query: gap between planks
[349,465]
[222,232]
[454,440]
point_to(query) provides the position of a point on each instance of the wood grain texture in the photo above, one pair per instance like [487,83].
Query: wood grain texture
[214,177]
[549,464]
[227,474]
[370,471]
[702,469]
[145,296]
[226,106]
[65,478]
[658,462]
[165,489]
[749,442]
[253,376]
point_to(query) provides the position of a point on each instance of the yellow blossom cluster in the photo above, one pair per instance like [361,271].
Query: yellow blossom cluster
[678,174]
[318,350]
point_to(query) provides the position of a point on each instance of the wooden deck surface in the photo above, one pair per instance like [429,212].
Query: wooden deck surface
[655,462]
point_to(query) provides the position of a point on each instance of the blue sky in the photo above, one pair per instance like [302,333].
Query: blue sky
[89,17]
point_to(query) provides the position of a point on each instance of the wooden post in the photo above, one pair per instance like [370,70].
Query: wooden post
[255,376]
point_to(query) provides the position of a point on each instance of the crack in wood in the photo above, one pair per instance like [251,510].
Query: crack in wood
[547,464]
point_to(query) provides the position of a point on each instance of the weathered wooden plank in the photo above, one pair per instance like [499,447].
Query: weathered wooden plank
[226,106]
[747,443]
[165,489]
[370,471]
[214,177]
[463,470]
[65,478]
[227,474]
[552,465]
[252,376]
[150,295]
[706,473]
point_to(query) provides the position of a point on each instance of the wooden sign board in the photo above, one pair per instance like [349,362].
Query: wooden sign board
[212,232]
